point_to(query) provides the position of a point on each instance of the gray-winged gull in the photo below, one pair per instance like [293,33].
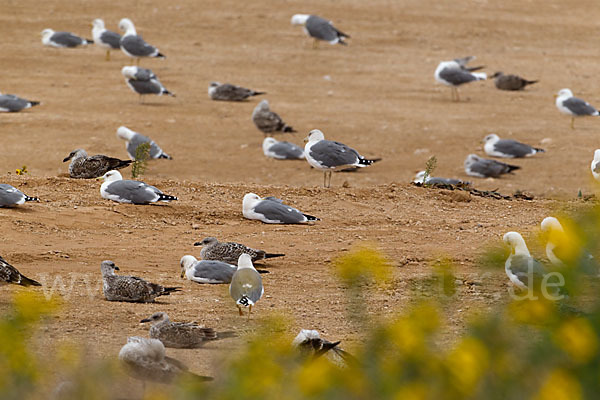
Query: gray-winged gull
[573,106]
[508,148]
[133,45]
[206,271]
[11,196]
[273,148]
[104,38]
[272,211]
[179,335]
[12,103]
[121,190]
[129,288]
[319,29]
[230,252]
[311,346]
[9,274]
[84,167]
[432,180]
[595,166]
[268,121]
[63,39]
[134,139]
[455,73]
[146,360]
[327,155]
[143,81]
[229,92]
[246,286]
[510,82]
[485,168]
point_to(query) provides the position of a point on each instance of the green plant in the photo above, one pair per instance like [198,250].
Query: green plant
[142,155]
[429,168]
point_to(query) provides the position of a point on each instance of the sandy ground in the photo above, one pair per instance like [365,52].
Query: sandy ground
[377,95]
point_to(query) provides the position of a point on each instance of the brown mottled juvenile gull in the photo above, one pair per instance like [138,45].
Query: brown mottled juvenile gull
[84,167]
[485,168]
[9,274]
[273,148]
[230,252]
[12,103]
[121,190]
[143,81]
[129,288]
[319,29]
[134,45]
[229,92]
[510,82]
[180,335]
[206,271]
[104,38]
[311,345]
[134,139]
[246,286]
[508,148]
[11,196]
[146,360]
[63,39]
[271,210]
[268,121]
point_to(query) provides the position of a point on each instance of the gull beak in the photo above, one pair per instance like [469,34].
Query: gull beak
[100,178]
[182,273]
[306,139]
[116,268]
[66,159]
[555,96]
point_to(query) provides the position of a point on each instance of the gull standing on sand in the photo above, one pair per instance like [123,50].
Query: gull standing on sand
[129,288]
[485,168]
[11,196]
[12,103]
[121,190]
[143,81]
[134,139]
[246,286]
[273,148]
[573,106]
[268,121]
[104,38]
[229,92]
[271,210]
[206,271]
[133,45]
[327,155]
[84,167]
[230,252]
[9,274]
[179,335]
[319,29]
[510,82]
[63,39]
[455,73]
[508,148]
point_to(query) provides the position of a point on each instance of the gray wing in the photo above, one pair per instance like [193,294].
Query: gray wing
[579,107]
[490,168]
[268,121]
[144,74]
[10,195]
[112,39]
[135,45]
[287,151]
[456,76]
[214,271]
[134,191]
[231,92]
[275,211]
[321,28]
[514,148]
[12,103]
[333,154]
[155,150]
[526,268]
[145,87]
[66,39]
[246,282]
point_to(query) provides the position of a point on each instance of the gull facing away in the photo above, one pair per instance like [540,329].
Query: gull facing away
[310,344]
[134,139]
[10,196]
[485,168]
[206,271]
[133,45]
[9,274]
[508,148]
[268,121]
[143,81]
[179,335]
[63,39]
[560,247]
[271,210]
[121,190]
[455,73]
[320,29]
[273,148]
[229,92]
[432,180]
[129,288]
[328,155]
[510,82]
[84,167]
[12,103]
[246,286]
[573,106]
[104,38]
[230,252]
[146,360]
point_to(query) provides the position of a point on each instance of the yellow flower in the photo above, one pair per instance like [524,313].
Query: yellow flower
[467,363]
[412,391]
[560,385]
[578,339]
[363,263]
[528,311]
[314,377]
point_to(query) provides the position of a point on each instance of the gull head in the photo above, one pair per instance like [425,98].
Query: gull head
[207,241]
[497,74]
[550,224]
[138,348]
[491,138]
[300,19]
[127,26]
[129,72]
[156,318]
[212,87]
[262,106]
[111,176]
[314,136]
[471,159]
[268,142]
[125,133]
[77,153]
[516,243]
[46,34]
[565,93]
[419,177]
[245,261]
[186,263]
[250,199]
[305,335]
[597,155]
[98,24]
[108,268]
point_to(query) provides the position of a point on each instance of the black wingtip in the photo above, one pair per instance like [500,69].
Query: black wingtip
[289,129]
[273,255]
[160,55]
[27,198]
[539,150]
[169,290]
[34,103]
[257,93]
[89,41]
[530,82]
[166,197]
[25,281]
[311,218]
[166,156]
[512,168]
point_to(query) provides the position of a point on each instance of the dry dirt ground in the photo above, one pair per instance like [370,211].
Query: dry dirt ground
[377,95]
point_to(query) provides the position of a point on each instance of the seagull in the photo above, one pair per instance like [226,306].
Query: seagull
[434,181]
[508,148]
[246,286]
[179,335]
[12,103]
[573,106]
[510,82]
[311,345]
[267,121]
[596,165]
[271,210]
[135,139]
[11,196]
[104,38]
[320,29]
[121,190]
[133,45]
[145,359]
[230,252]
[455,73]
[273,148]
[485,168]
[553,228]
[206,271]
[143,81]
[129,288]
[561,247]
[9,274]
[229,92]
[328,156]
[84,167]
[63,39]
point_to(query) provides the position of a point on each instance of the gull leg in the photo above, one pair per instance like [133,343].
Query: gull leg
[107,55]
[451,93]
[249,312]
[240,310]
[572,122]
[324,178]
